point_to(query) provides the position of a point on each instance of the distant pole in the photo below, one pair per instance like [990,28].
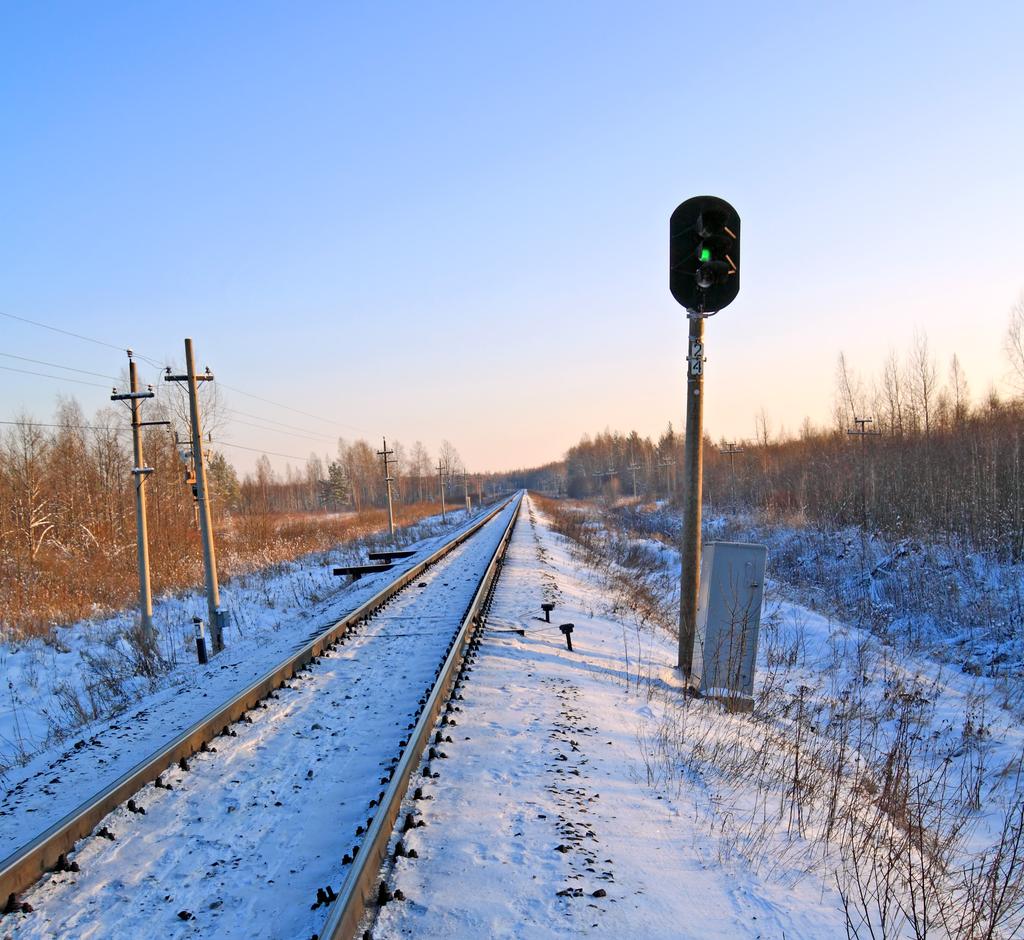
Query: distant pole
[863,433]
[386,455]
[667,464]
[693,466]
[465,488]
[202,495]
[731,450]
[440,486]
[604,476]
[633,469]
[140,471]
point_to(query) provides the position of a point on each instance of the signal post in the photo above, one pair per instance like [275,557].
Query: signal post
[704,277]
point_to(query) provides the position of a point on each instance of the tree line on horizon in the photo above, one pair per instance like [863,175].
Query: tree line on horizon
[941,462]
[935,460]
[67,512]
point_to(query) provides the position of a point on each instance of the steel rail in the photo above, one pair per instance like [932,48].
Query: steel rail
[358,891]
[26,865]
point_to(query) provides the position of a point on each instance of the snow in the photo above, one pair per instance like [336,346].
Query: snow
[272,616]
[547,756]
[569,749]
[970,714]
[581,793]
[247,835]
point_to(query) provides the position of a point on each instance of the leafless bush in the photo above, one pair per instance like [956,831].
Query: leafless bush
[845,770]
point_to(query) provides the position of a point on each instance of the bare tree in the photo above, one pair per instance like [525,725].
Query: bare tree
[420,468]
[28,518]
[893,393]
[958,393]
[849,395]
[314,481]
[1014,343]
[924,379]
[400,473]
[762,430]
[450,459]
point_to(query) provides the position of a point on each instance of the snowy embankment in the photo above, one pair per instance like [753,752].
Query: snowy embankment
[870,766]
[77,711]
[246,839]
[958,605]
[545,821]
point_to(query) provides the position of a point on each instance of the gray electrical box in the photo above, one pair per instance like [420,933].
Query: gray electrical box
[728,618]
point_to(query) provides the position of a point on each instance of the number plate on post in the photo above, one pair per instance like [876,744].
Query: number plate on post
[696,358]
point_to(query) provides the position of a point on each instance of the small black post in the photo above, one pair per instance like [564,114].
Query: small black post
[547,608]
[200,641]
[566,629]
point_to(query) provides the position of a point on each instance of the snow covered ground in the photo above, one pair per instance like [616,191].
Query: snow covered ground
[243,839]
[582,792]
[272,615]
[542,822]
[868,770]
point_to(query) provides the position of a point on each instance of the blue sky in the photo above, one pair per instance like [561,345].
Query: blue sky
[450,220]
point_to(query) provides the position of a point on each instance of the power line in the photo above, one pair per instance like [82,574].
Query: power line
[57,365]
[256,450]
[246,414]
[57,329]
[159,365]
[85,427]
[87,339]
[59,378]
[307,414]
[307,437]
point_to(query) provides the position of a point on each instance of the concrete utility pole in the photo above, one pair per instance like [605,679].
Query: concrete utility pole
[386,455]
[465,490]
[216,615]
[440,486]
[693,470]
[140,471]
[863,433]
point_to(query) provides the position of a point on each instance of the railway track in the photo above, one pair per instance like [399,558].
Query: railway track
[309,791]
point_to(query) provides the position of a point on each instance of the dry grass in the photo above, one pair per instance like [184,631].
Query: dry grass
[849,772]
[63,587]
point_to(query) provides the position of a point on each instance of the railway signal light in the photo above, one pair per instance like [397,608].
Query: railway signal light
[703,276]
[704,254]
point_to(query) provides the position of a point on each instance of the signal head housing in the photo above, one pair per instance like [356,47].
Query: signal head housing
[704,254]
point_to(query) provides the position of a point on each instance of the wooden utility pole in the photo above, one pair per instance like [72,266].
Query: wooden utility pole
[693,469]
[440,485]
[385,454]
[730,450]
[202,494]
[139,472]
[633,469]
[863,433]
[603,475]
[669,466]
